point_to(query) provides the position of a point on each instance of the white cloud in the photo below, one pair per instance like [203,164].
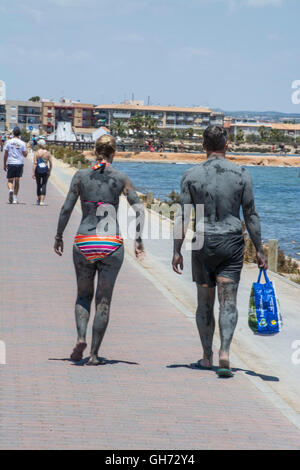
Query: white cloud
[80,56]
[273,37]
[67,3]
[37,15]
[128,38]
[264,3]
[234,5]
[49,56]
[113,7]
[190,52]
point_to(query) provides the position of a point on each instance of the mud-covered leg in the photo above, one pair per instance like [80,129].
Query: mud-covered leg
[107,274]
[227,293]
[85,273]
[206,322]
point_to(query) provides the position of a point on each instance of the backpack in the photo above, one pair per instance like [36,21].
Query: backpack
[41,166]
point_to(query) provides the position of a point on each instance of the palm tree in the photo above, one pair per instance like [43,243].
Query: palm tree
[264,133]
[150,124]
[118,128]
[240,136]
[136,123]
[276,135]
[190,132]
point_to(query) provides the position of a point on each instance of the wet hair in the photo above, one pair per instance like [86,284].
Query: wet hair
[16,132]
[105,146]
[214,138]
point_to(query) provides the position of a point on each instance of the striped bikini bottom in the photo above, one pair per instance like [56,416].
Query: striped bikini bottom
[96,248]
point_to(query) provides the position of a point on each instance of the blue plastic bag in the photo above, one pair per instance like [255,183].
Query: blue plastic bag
[264,316]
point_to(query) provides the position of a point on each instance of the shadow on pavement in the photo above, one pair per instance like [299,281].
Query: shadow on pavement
[103,361]
[267,378]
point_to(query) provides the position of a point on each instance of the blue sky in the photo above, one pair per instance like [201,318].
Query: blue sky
[229,54]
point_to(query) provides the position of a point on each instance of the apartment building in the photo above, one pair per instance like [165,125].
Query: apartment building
[252,127]
[24,114]
[2,91]
[166,116]
[2,118]
[247,126]
[80,115]
[289,130]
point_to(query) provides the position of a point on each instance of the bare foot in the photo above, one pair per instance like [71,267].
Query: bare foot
[224,360]
[206,362]
[94,361]
[77,353]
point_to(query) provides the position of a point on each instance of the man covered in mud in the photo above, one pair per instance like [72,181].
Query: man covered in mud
[221,188]
[98,246]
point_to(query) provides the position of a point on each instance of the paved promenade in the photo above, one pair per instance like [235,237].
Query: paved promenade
[145,396]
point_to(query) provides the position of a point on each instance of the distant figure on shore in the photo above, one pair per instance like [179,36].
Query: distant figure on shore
[162,147]
[221,187]
[14,152]
[41,170]
[98,245]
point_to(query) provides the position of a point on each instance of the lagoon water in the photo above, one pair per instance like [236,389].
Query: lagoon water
[277,196]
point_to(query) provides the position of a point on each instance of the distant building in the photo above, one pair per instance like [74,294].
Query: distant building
[2,118]
[2,91]
[252,127]
[167,117]
[79,115]
[248,126]
[24,114]
[289,130]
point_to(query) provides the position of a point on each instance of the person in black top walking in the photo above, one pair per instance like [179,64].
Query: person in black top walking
[42,166]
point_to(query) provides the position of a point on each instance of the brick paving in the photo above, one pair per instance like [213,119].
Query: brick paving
[144,397]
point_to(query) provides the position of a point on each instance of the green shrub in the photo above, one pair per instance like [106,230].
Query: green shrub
[296,279]
[68,152]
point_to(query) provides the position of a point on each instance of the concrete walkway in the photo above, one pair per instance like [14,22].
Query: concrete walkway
[146,396]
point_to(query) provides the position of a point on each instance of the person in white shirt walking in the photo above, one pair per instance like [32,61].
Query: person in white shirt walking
[14,153]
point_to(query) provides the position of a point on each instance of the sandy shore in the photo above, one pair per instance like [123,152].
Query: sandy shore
[155,157]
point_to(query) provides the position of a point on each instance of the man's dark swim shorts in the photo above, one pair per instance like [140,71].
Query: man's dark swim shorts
[221,255]
[14,171]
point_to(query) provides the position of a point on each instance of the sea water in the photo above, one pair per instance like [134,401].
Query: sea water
[276,190]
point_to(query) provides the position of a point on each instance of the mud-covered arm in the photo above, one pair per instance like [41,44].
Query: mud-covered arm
[182,216]
[69,204]
[250,215]
[181,223]
[137,206]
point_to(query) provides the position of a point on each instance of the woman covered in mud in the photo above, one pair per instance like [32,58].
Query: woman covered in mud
[98,244]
